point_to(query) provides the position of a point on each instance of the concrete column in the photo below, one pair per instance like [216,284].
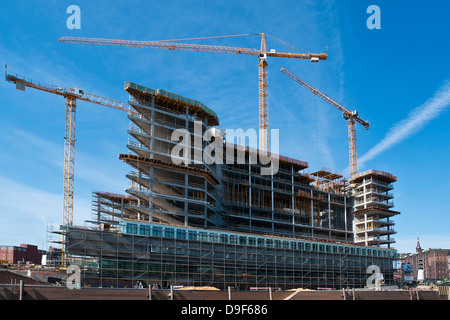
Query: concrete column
[21,292]
[293,200]
[150,199]
[121,209]
[312,213]
[250,195]
[329,216]
[273,208]
[186,177]
[345,216]
[152,128]
[364,193]
[205,216]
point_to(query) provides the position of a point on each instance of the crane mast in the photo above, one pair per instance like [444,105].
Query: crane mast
[351,117]
[263,54]
[69,160]
[71,95]
[263,97]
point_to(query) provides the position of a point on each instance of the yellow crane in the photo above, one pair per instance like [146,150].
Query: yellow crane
[262,53]
[351,117]
[71,95]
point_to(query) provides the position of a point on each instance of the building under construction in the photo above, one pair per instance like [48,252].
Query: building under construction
[224,223]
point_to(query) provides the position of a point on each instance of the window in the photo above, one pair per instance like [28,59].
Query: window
[261,242]
[214,237]
[181,234]
[224,238]
[203,236]
[192,235]
[129,228]
[157,231]
[169,233]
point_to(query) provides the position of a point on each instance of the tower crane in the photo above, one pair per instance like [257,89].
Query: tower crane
[262,53]
[71,95]
[351,116]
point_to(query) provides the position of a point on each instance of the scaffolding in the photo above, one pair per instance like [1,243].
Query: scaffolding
[164,255]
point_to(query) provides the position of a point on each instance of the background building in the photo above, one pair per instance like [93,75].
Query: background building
[434,263]
[24,253]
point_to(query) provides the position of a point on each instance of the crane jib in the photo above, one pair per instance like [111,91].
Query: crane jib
[188,47]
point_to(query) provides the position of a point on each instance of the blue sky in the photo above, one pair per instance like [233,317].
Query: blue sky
[397,77]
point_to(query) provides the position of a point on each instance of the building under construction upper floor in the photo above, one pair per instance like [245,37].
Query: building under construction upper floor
[373,201]
[231,193]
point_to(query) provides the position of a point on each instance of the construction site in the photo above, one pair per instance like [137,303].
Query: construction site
[223,224]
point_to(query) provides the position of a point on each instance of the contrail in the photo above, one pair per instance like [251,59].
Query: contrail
[417,119]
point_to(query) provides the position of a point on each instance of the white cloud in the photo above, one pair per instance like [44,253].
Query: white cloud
[416,120]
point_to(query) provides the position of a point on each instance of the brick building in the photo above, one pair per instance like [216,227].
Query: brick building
[435,263]
[24,253]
